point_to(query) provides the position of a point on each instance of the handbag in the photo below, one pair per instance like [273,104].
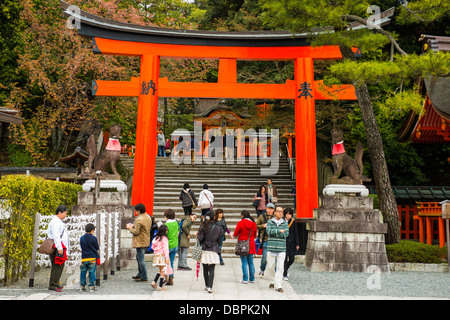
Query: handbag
[197,251]
[256,203]
[243,246]
[210,204]
[47,247]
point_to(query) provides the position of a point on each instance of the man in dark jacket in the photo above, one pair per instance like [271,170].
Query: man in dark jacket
[261,224]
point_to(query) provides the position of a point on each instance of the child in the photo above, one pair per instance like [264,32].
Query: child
[219,220]
[160,245]
[89,257]
[184,242]
[172,234]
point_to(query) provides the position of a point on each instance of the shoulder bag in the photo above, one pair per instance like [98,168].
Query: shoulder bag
[47,246]
[243,246]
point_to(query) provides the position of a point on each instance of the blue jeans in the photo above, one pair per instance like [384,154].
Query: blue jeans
[172,253]
[142,269]
[264,257]
[248,268]
[161,151]
[85,266]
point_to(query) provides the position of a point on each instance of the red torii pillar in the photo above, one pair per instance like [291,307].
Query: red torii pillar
[148,87]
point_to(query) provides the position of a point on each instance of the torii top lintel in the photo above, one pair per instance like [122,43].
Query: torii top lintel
[115,38]
[137,40]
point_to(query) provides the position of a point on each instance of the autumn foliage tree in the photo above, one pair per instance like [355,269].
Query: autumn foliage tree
[56,99]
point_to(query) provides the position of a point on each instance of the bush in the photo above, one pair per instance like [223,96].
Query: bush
[410,251]
[26,195]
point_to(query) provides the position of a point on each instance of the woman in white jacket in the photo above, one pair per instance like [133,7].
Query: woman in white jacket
[205,200]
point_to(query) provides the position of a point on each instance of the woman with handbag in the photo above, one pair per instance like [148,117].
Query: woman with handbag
[209,237]
[205,200]
[188,199]
[246,233]
[260,201]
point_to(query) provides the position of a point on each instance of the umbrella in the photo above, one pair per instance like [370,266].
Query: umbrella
[198,269]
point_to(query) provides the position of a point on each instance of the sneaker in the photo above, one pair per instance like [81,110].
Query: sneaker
[136,278]
[285,278]
[209,290]
[244,282]
[271,286]
[82,288]
[261,274]
[280,290]
[92,289]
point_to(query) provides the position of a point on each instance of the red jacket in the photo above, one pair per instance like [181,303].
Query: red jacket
[243,229]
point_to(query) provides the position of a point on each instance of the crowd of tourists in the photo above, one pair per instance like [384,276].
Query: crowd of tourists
[273,235]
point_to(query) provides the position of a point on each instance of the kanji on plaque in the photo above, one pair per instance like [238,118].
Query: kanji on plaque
[146,86]
[304,90]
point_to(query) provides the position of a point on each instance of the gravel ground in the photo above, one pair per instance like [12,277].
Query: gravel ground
[395,284]
[304,282]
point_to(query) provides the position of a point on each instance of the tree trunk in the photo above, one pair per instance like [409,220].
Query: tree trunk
[388,204]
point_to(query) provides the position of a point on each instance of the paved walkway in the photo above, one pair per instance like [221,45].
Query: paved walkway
[186,286]
[227,287]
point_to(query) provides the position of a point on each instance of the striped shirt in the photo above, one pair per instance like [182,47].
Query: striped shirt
[277,239]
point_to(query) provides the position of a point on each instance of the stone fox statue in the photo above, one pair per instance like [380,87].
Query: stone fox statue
[353,168]
[110,155]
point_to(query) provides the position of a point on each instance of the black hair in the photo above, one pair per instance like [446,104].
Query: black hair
[260,188]
[162,232]
[61,208]
[288,210]
[246,215]
[89,227]
[205,186]
[140,208]
[186,186]
[209,217]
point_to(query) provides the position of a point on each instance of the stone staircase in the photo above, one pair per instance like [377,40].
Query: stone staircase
[233,186]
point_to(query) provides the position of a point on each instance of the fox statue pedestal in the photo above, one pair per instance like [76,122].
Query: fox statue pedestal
[347,234]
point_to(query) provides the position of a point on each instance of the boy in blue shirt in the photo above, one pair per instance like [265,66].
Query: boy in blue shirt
[89,256]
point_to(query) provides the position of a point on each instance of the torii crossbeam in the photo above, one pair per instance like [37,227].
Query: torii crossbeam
[151,44]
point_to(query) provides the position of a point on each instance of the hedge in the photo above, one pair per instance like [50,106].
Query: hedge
[411,251]
[26,195]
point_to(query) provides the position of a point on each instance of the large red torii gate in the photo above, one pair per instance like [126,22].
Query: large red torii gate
[150,44]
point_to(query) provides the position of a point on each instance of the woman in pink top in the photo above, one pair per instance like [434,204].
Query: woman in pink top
[160,246]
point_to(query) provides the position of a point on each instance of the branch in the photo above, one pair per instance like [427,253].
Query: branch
[414,13]
[378,29]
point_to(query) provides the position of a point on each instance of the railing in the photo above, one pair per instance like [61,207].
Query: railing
[291,162]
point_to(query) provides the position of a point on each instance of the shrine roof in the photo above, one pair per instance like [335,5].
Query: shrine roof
[418,193]
[9,116]
[432,125]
